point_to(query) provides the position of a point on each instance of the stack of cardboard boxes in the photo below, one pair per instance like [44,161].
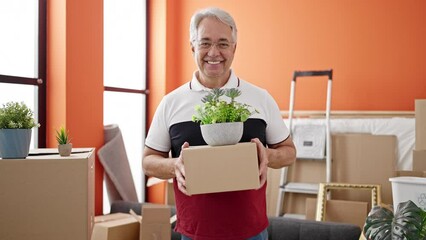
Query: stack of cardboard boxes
[155,224]
[411,185]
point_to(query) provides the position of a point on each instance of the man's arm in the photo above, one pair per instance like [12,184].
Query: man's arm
[159,164]
[275,156]
[282,154]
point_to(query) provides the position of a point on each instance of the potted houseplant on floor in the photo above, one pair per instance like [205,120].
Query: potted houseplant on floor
[222,121]
[408,222]
[64,142]
[16,123]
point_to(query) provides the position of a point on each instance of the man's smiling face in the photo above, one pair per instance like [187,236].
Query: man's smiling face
[213,51]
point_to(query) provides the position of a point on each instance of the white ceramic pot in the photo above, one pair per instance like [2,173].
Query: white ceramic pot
[219,134]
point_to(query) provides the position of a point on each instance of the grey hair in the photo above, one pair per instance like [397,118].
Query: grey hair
[218,13]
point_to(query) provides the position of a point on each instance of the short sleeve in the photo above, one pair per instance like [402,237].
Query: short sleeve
[276,130]
[158,137]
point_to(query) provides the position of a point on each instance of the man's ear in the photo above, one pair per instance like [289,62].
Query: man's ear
[235,48]
[192,48]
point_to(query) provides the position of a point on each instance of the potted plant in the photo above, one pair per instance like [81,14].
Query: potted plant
[221,121]
[16,123]
[64,142]
[408,222]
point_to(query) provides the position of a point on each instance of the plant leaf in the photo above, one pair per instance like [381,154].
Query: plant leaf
[407,223]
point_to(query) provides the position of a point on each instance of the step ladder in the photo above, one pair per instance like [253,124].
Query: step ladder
[301,187]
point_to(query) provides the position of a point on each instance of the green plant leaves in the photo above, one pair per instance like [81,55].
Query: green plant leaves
[62,136]
[408,223]
[14,115]
[217,110]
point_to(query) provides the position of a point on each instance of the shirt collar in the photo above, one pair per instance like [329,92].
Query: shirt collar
[195,85]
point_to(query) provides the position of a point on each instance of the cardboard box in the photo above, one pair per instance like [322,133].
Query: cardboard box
[155,223]
[340,211]
[364,159]
[420,112]
[419,160]
[117,226]
[47,197]
[272,188]
[221,168]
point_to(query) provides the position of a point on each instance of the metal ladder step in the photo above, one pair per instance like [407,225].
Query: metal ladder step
[299,187]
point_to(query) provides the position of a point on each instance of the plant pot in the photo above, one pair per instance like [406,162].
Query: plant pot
[219,134]
[15,143]
[65,149]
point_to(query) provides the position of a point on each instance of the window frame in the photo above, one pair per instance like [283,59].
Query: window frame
[40,81]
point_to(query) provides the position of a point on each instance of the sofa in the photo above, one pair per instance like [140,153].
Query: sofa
[279,228]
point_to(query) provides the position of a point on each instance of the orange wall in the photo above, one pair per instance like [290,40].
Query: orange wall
[376,48]
[75,76]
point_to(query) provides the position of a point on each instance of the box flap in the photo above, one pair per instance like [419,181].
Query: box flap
[117,222]
[110,217]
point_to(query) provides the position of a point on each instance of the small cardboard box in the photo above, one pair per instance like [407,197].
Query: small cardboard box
[419,160]
[155,223]
[211,169]
[339,211]
[117,226]
[420,112]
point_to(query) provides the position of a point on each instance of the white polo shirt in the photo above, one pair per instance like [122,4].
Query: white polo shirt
[172,123]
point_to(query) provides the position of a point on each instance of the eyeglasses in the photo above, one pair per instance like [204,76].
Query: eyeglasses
[207,45]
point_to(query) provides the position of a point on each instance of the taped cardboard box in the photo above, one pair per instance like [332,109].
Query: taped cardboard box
[211,169]
[339,211]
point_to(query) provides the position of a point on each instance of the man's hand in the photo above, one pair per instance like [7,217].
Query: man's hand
[263,160]
[180,171]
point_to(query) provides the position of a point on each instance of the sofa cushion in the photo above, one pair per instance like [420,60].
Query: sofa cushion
[296,229]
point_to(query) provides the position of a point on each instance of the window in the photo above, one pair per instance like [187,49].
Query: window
[125,80]
[23,59]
